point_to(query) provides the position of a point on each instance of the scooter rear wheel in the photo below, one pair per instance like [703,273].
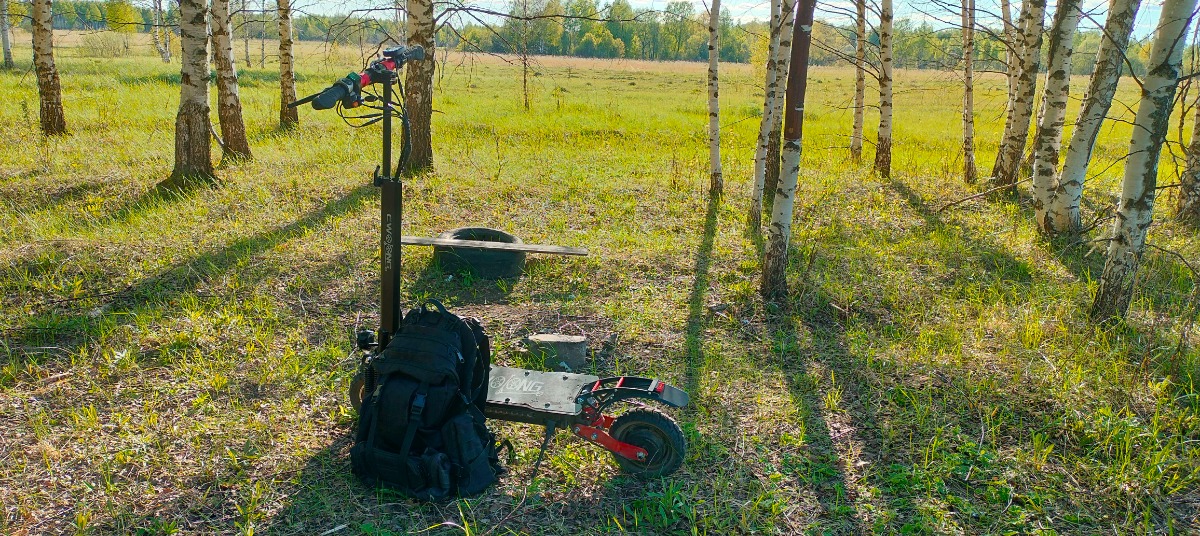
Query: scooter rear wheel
[358,387]
[659,434]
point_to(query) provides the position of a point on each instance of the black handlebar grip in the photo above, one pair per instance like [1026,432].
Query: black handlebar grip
[416,52]
[330,97]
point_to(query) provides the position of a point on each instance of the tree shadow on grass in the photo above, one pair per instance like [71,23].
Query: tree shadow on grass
[461,287]
[66,323]
[838,440]
[694,334]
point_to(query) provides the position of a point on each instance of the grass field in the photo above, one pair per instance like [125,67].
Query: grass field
[178,363]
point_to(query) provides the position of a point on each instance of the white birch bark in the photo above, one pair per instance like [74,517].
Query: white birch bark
[245,8]
[883,145]
[229,103]
[167,32]
[968,114]
[262,40]
[419,85]
[715,182]
[860,79]
[1048,142]
[288,117]
[1187,205]
[53,121]
[1135,212]
[192,142]
[782,66]
[4,35]
[1063,211]
[160,35]
[1010,52]
[1016,128]
[770,86]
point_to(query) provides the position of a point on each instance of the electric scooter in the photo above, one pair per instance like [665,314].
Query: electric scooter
[643,441]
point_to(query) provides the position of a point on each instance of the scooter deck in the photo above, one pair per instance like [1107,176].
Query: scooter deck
[534,397]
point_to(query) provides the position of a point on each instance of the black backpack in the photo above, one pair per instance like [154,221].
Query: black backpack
[421,430]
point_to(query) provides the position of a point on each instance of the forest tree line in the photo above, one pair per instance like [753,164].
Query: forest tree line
[587,28]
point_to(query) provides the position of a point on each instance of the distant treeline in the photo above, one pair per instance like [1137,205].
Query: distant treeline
[585,28]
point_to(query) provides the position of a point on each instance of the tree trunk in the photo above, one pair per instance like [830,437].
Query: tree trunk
[1063,211]
[770,93]
[54,122]
[246,33]
[1016,127]
[229,104]
[968,115]
[419,86]
[1010,52]
[774,144]
[4,35]
[1048,142]
[288,117]
[779,232]
[262,36]
[193,160]
[167,32]
[860,79]
[1187,205]
[160,34]
[883,147]
[782,64]
[715,183]
[1134,215]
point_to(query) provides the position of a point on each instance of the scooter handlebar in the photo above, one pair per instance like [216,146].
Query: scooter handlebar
[347,89]
[341,91]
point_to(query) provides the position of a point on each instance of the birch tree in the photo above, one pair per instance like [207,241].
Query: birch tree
[781,21]
[860,78]
[883,145]
[1135,211]
[288,117]
[1016,125]
[968,114]
[245,9]
[1187,205]
[262,35]
[229,104]
[160,35]
[715,183]
[784,60]
[419,85]
[193,159]
[4,35]
[1062,210]
[1048,141]
[53,119]
[1010,52]
[779,232]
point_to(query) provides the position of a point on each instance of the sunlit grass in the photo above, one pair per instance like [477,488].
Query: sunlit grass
[178,363]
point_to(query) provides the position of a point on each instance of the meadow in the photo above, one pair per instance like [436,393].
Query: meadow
[177,362]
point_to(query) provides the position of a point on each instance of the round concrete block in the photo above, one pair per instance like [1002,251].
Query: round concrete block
[562,352]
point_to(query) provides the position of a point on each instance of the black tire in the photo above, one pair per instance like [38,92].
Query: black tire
[358,388]
[484,263]
[658,434]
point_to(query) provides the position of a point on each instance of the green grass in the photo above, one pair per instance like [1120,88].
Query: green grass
[179,363]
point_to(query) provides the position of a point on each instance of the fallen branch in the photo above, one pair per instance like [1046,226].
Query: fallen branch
[981,194]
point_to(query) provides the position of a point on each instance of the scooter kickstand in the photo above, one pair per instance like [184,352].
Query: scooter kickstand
[551,426]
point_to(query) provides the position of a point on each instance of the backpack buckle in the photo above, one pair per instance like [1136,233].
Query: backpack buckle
[418,405]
